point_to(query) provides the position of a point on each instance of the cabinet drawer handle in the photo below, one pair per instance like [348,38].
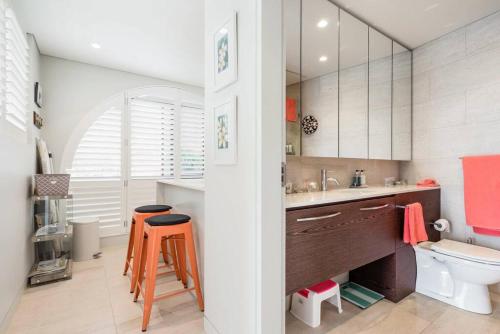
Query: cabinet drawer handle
[319,217]
[375,207]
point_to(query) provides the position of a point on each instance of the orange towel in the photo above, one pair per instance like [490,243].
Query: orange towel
[414,227]
[291,110]
[428,183]
[482,193]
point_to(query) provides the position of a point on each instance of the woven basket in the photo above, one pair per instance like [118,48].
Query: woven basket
[51,184]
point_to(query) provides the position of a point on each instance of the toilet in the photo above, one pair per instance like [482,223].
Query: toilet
[457,273]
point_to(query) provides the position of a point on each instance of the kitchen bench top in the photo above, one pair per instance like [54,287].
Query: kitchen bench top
[300,200]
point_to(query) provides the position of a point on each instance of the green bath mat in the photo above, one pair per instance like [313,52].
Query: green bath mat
[359,295]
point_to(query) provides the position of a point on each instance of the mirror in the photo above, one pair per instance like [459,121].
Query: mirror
[380,91]
[319,74]
[401,103]
[353,88]
[293,114]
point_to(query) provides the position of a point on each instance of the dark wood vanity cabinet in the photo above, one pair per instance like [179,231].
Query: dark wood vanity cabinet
[363,237]
[394,276]
[373,230]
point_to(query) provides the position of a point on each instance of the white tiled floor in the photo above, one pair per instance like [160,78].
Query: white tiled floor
[414,314]
[97,300]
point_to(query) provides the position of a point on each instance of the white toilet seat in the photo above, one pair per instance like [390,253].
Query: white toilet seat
[467,252]
[457,273]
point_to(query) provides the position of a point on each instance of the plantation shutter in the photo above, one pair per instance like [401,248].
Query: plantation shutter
[98,155]
[152,132]
[96,182]
[2,57]
[192,142]
[16,72]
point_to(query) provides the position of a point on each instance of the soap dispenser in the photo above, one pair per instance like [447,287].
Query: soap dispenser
[362,178]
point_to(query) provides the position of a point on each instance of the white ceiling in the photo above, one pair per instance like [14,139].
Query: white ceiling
[157,38]
[410,22]
[416,22]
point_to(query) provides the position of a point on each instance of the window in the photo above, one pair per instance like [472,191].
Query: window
[136,138]
[15,72]
[96,172]
[98,155]
[192,142]
[152,132]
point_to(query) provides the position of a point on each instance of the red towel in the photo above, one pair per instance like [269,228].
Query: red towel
[482,193]
[414,228]
[291,110]
[428,183]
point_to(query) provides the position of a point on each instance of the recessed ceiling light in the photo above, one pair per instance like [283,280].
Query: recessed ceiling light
[322,23]
[323,58]
[95,45]
[431,7]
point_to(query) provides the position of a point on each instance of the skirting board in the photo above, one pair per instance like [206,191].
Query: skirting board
[4,324]
[209,327]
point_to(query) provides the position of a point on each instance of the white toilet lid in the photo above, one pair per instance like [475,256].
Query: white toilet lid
[467,251]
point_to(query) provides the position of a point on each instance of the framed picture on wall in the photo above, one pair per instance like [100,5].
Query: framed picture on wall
[226,53]
[226,132]
[38,94]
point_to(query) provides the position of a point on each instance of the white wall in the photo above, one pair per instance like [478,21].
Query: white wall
[456,113]
[17,154]
[72,89]
[244,290]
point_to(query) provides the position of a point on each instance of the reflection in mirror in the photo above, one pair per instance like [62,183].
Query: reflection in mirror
[380,87]
[320,76]
[401,103]
[353,88]
[292,37]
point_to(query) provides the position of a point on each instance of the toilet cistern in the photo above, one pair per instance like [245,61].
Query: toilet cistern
[325,179]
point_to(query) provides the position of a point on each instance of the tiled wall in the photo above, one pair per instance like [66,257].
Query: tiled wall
[303,169]
[456,113]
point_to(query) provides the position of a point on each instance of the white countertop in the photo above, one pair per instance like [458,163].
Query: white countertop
[194,184]
[341,195]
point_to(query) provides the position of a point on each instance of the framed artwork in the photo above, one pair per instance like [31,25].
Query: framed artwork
[226,53]
[38,94]
[226,132]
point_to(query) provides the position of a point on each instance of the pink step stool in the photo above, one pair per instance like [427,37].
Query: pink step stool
[306,304]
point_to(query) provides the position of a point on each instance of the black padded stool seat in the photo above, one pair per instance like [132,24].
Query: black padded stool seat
[167,220]
[153,208]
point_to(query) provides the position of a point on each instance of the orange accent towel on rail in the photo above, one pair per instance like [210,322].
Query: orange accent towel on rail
[414,227]
[482,193]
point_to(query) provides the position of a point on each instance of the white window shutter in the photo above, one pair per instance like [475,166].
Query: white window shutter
[152,132]
[192,142]
[98,155]
[16,72]
[96,182]
[2,57]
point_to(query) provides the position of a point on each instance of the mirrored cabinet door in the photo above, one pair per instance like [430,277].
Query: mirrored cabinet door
[401,103]
[320,78]
[353,88]
[379,91]
[292,37]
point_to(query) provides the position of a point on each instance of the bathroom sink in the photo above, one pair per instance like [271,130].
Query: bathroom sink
[358,191]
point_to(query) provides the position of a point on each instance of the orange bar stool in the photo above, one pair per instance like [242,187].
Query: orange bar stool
[174,227]
[135,240]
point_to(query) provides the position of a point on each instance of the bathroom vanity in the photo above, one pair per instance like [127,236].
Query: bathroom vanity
[355,231]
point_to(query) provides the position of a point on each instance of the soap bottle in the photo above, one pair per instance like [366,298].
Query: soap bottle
[356,179]
[362,178]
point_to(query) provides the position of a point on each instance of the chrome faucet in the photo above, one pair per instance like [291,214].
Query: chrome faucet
[325,179]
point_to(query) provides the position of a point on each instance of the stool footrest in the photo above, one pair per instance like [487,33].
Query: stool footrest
[172,293]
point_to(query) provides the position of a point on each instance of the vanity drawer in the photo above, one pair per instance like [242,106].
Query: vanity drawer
[317,245]
[373,230]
